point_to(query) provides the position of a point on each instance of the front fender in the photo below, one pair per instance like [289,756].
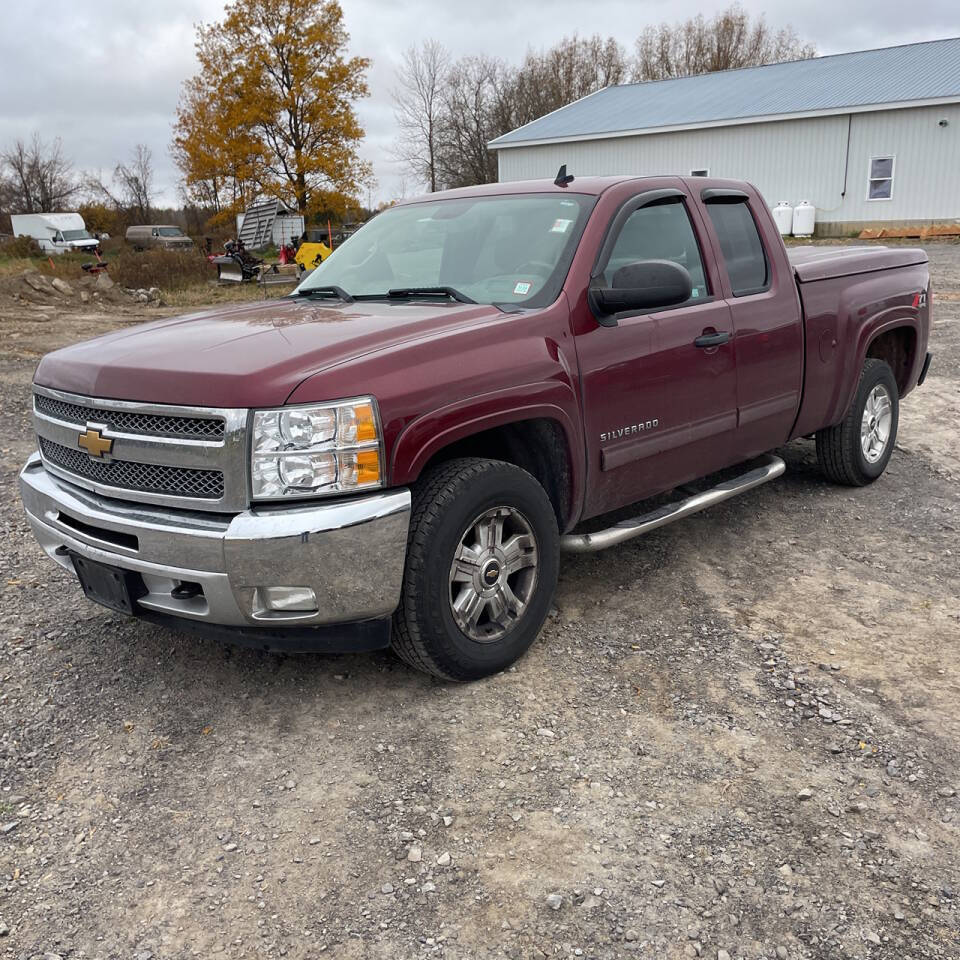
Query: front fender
[427,435]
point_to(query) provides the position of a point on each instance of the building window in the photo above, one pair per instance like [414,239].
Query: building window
[703,172]
[880,186]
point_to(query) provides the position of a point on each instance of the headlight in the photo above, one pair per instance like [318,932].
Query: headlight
[315,450]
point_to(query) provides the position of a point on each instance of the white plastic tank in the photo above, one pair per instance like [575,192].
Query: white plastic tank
[783,217]
[804,217]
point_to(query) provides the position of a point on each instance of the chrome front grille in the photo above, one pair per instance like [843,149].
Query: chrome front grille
[148,477]
[126,421]
[191,457]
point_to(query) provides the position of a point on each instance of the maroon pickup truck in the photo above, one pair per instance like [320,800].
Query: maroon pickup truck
[397,453]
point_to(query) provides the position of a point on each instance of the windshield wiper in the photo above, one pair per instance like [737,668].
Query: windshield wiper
[327,291]
[405,293]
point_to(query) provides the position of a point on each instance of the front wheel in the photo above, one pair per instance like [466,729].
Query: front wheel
[482,563]
[856,451]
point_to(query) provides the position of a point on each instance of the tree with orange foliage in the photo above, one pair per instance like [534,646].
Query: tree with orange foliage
[272,109]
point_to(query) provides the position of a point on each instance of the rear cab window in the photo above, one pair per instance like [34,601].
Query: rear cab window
[740,246]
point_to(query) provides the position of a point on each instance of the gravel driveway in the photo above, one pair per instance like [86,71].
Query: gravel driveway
[736,737]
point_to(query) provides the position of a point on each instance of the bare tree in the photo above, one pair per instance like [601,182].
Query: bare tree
[573,68]
[473,106]
[730,40]
[136,181]
[37,177]
[418,109]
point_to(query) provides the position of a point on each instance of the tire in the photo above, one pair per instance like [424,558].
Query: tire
[459,509]
[857,450]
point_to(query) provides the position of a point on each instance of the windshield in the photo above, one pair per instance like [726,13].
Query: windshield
[496,250]
[76,235]
[170,231]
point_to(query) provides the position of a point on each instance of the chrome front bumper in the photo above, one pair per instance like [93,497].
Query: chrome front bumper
[350,552]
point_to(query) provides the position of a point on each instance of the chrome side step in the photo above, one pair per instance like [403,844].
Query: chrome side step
[770,468]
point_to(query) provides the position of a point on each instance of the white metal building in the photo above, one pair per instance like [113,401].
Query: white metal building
[871,137]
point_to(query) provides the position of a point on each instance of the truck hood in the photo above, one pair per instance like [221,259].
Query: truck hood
[253,355]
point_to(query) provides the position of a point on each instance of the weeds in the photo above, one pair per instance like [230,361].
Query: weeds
[170,270]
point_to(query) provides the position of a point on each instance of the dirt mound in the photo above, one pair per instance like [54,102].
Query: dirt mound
[35,287]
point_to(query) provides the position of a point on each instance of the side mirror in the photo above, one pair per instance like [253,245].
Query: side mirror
[644,285]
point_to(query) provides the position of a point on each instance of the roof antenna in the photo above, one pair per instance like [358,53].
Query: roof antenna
[563,178]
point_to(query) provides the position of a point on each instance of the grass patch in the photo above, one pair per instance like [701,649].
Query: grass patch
[170,270]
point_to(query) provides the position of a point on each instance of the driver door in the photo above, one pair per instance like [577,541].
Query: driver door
[659,386]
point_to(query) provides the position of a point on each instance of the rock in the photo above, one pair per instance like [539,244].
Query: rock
[546,732]
[871,937]
[387,888]
[6,828]
[229,847]
[443,860]
[448,821]
[415,854]
[723,955]
[781,953]
[554,901]
[947,792]
[37,281]
[631,935]
[658,883]
[4,929]
[428,888]
[104,282]
[785,870]
[805,794]
[693,933]
[62,286]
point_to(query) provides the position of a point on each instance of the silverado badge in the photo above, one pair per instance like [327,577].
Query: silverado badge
[94,442]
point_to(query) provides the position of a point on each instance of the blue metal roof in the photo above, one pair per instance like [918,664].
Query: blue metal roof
[859,80]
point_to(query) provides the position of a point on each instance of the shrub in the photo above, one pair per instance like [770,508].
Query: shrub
[166,269]
[19,248]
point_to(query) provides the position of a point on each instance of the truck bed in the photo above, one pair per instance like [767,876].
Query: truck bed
[847,296]
[826,263]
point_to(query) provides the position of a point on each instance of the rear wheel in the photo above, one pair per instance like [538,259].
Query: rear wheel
[482,562]
[856,451]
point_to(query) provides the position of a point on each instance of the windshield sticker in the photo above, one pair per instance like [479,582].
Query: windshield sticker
[522,288]
[560,226]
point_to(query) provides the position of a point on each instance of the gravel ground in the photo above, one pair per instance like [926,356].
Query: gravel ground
[737,737]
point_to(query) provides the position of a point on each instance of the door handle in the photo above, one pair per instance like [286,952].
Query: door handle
[711,339]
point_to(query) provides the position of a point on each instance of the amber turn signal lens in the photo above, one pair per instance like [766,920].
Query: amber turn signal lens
[368,467]
[366,425]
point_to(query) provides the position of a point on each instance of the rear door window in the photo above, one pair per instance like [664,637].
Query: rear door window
[741,247]
[660,231]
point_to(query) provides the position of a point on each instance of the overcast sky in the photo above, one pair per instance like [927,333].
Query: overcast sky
[104,76]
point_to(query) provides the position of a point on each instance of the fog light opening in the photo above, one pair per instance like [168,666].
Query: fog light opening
[287,599]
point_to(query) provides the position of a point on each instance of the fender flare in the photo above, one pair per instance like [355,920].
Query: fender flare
[867,334]
[430,433]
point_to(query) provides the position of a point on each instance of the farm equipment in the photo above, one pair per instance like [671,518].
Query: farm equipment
[310,255]
[236,264]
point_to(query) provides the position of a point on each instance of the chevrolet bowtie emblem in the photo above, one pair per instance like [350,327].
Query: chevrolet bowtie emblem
[94,442]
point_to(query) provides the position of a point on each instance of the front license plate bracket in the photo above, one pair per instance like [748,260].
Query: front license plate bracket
[109,586]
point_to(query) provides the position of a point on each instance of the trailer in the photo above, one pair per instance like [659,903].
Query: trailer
[55,232]
[268,222]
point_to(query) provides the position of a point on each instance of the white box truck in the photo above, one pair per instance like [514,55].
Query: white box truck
[55,232]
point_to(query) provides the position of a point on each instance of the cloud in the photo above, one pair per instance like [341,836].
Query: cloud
[106,77]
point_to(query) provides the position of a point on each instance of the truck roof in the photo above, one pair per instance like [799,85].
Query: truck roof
[593,186]
[54,221]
